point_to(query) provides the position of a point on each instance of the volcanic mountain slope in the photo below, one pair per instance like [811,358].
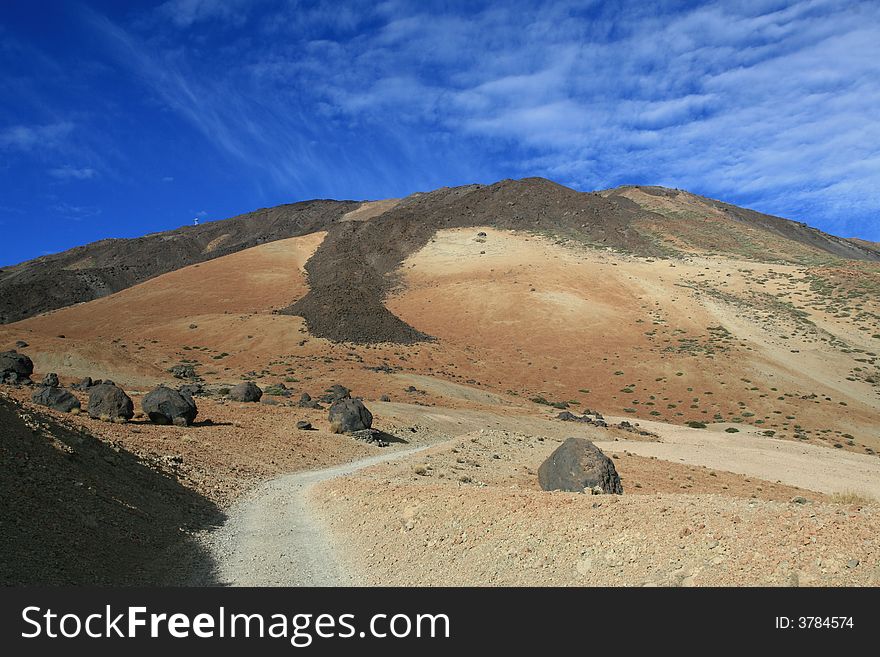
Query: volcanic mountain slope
[685,222]
[95,270]
[478,294]
[360,252]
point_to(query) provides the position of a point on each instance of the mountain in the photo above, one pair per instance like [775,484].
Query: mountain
[365,245]
[726,361]
[101,268]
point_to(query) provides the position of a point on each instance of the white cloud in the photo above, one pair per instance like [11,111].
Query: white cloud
[185,13]
[761,102]
[75,212]
[68,172]
[34,137]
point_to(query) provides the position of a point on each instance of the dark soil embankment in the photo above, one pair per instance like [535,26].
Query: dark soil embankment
[96,270]
[350,273]
[75,510]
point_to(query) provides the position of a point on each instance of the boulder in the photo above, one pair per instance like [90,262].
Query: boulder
[183,372]
[107,400]
[304,426]
[15,367]
[349,415]
[20,344]
[247,391]
[335,393]
[85,384]
[191,389]
[306,401]
[578,465]
[55,398]
[166,406]
[51,380]
[14,378]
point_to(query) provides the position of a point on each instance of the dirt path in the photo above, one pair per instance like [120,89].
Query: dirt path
[821,469]
[272,537]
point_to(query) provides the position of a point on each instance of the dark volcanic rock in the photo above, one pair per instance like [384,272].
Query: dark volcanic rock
[567,416]
[166,406]
[107,400]
[21,344]
[304,426]
[183,372]
[349,415]
[51,380]
[578,465]
[247,391]
[335,393]
[55,398]
[306,401]
[85,384]
[191,389]
[15,367]
[385,398]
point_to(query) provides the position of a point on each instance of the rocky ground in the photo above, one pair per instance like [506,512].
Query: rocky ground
[469,513]
[231,448]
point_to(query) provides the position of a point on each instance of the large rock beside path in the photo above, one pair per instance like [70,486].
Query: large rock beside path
[349,415]
[577,465]
[246,391]
[107,401]
[166,406]
[15,367]
[55,398]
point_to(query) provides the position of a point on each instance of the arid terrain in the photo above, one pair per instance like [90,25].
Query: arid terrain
[733,356]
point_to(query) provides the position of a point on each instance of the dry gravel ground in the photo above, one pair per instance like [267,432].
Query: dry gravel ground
[273,538]
[468,511]
[457,515]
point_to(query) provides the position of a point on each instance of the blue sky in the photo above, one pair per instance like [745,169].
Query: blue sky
[123,118]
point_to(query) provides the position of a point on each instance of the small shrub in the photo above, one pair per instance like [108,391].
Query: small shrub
[851,497]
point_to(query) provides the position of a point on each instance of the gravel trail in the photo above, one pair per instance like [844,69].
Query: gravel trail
[273,538]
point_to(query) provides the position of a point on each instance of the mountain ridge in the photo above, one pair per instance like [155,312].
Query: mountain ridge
[607,218]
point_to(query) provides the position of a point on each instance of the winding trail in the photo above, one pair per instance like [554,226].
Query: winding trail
[272,538]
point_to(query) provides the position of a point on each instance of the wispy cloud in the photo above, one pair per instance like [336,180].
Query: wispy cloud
[768,104]
[68,172]
[185,13]
[34,137]
[762,102]
[75,212]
